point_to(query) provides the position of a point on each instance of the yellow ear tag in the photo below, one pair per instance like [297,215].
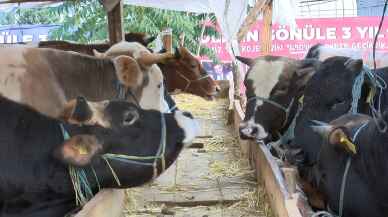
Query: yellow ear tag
[350,146]
[300,100]
[82,150]
[370,95]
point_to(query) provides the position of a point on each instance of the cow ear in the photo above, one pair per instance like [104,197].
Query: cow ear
[336,136]
[177,53]
[98,54]
[302,76]
[128,71]
[77,111]
[79,150]
[247,61]
[354,65]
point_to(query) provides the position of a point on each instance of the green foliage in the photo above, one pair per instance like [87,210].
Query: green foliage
[86,21]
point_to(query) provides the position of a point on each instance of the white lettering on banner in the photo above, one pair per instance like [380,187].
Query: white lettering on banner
[306,33]
[331,33]
[362,31]
[296,34]
[347,32]
[252,36]
[352,32]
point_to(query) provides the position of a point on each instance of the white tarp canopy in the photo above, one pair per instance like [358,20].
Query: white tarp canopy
[230,13]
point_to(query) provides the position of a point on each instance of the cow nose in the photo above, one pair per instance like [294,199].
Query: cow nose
[188,114]
[248,132]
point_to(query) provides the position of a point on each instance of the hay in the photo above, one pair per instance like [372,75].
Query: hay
[254,202]
[200,107]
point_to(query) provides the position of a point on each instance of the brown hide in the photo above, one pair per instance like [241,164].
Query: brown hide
[186,73]
[142,38]
[46,78]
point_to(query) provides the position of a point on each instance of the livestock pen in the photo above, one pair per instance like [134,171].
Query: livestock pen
[220,174]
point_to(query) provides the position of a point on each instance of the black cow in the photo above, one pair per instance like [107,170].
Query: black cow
[34,157]
[358,138]
[327,96]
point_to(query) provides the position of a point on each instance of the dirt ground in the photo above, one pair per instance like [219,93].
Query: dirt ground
[213,181]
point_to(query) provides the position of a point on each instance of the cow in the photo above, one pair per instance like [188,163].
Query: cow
[183,73]
[36,155]
[186,74]
[141,38]
[46,78]
[273,79]
[352,159]
[322,52]
[327,95]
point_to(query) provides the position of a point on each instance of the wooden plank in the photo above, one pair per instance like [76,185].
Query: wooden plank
[115,24]
[250,19]
[197,198]
[266,32]
[270,175]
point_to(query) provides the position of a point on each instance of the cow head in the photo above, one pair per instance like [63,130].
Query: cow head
[185,73]
[144,62]
[118,125]
[281,81]
[330,90]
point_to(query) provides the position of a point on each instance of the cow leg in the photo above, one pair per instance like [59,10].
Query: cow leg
[106,203]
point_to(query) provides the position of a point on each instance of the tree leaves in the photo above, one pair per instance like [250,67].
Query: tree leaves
[86,21]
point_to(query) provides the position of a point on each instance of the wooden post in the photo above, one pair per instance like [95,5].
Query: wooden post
[115,24]
[266,31]
[290,177]
[167,39]
[251,19]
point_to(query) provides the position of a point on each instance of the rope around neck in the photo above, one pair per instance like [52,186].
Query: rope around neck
[189,82]
[277,105]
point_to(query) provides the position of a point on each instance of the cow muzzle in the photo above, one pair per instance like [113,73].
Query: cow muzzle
[252,131]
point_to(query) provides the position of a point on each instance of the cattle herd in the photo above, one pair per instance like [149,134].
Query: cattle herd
[90,119]
[102,115]
[326,115]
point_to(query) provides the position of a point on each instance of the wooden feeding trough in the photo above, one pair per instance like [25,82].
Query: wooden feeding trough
[285,197]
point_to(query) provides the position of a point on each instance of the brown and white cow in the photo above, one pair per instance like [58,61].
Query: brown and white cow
[46,78]
[184,73]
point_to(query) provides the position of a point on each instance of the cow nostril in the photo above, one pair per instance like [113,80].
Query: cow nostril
[254,130]
[187,114]
[218,88]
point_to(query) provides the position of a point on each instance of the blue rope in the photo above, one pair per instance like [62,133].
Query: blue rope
[356,90]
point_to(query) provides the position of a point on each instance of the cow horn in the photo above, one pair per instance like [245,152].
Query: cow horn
[247,61]
[147,59]
[98,54]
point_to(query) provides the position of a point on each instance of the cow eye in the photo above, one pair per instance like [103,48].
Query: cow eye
[130,117]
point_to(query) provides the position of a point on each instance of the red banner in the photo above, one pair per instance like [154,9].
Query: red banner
[350,32]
